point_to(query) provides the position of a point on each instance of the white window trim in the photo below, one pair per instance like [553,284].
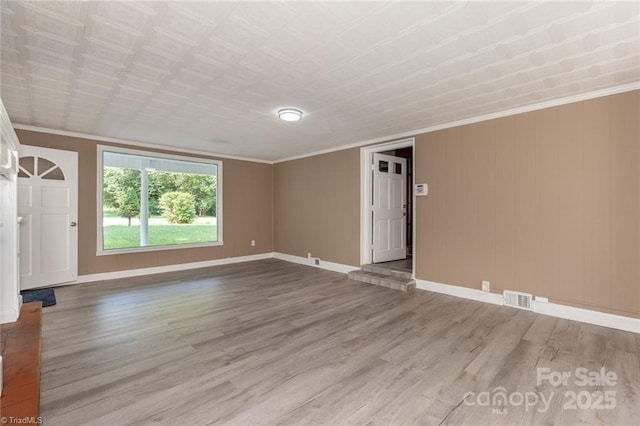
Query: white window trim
[99,194]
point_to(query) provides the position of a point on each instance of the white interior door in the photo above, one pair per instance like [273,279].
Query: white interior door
[48,205]
[389,210]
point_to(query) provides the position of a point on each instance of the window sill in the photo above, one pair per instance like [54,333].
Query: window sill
[156,248]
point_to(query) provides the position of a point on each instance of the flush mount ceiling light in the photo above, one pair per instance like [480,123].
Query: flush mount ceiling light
[290,114]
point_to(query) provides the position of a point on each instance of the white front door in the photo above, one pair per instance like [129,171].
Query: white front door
[389,210]
[48,205]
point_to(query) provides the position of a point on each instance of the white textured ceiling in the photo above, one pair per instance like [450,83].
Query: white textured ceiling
[211,75]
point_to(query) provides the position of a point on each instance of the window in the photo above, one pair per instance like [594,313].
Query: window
[398,168]
[150,201]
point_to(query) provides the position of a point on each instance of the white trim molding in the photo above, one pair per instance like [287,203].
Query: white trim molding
[458,291]
[167,268]
[544,308]
[10,299]
[513,111]
[129,273]
[9,315]
[587,315]
[169,148]
[551,309]
[499,114]
[329,266]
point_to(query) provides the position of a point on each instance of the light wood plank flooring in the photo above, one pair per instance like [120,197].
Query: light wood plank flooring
[270,342]
[405,265]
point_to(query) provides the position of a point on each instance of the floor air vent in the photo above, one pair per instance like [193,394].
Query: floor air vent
[517,299]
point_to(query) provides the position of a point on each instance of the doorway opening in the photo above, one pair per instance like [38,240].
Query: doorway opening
[388,206]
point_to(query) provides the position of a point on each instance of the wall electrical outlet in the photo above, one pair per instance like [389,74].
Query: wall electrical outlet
[486,286]
[253,243]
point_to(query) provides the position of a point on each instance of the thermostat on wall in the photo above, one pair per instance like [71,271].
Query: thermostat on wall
[422,189]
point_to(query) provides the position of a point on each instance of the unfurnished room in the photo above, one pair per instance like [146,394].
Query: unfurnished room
[320,213]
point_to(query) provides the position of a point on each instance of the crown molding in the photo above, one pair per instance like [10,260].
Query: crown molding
[135,143]
[505,113]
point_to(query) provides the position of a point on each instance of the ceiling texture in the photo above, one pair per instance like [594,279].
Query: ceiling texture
[210,76]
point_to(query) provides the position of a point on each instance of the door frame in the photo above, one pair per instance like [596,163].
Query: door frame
[366,184]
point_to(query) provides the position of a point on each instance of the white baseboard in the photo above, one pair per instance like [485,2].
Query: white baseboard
[587,315]
[336,267]
[168,268]
[552,309]
[330,266]
[12,313]
[464,292]
[9,315]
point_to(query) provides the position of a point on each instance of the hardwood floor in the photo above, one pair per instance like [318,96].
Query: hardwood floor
[270,342]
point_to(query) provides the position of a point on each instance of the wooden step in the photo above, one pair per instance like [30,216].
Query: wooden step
[385,270]
[383,280]
[21,348]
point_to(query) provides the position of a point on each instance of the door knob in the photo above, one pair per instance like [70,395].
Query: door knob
[73,223]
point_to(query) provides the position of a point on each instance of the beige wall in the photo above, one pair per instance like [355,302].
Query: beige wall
[247,204]
[546,202]
[317,207]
